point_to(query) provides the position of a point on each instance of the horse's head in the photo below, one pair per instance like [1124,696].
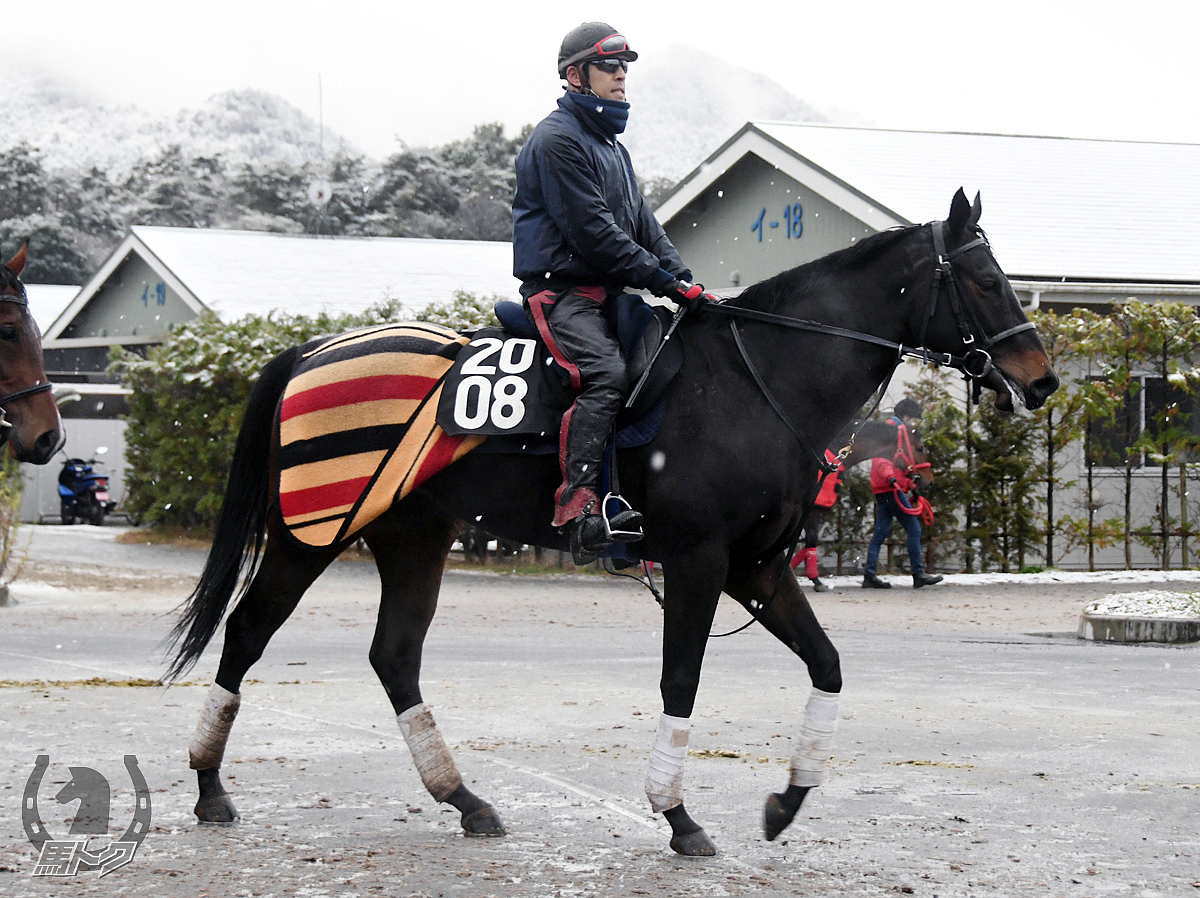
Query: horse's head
[876,438]
[93,793]
[975,314]
[30,421]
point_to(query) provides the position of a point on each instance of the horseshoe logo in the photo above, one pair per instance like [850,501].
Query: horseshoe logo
[36,830]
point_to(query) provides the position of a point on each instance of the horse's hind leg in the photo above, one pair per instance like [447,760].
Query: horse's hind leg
[410,545]
[282,578]
[787,614]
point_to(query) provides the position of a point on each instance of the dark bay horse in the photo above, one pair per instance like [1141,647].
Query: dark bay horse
[722,488]
[29,419]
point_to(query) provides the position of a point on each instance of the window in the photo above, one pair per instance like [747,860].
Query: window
[1156,407]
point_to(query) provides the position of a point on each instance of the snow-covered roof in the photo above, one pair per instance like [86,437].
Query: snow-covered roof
[237,273]
[1053,207]
[46,301]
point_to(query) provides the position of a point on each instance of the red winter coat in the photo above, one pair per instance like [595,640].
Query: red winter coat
[829,489]
[883,471]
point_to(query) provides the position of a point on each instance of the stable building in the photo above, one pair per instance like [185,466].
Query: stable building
[162,277]
[1072,222]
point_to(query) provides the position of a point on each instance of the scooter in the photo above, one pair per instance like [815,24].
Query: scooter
[82,493]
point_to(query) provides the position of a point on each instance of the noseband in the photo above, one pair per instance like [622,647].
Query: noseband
[23,301]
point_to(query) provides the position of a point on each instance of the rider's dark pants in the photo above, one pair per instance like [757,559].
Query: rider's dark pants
[577,332]
[887,509]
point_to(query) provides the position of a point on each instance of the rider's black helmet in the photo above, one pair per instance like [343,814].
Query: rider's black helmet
[592,41]
[907,408]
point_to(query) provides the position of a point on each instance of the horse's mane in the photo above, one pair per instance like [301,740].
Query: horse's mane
[765,295]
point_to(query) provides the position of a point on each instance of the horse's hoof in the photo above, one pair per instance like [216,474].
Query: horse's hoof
[694,844]
[776,818]
[217,809]
[483,823]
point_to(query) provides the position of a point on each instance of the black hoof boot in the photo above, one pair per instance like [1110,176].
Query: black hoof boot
[483,823]
[478,817]
[689,838]
[215,806]
[780,810]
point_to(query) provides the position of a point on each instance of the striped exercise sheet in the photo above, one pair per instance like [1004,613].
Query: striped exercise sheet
[357,429]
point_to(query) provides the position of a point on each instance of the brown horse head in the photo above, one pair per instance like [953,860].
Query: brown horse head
[881,438]
[31,424]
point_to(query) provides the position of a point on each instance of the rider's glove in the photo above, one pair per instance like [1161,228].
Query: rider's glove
[685,294]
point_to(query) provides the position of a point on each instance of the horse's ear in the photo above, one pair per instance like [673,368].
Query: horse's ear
[976,210]
[960,213]
[17,263]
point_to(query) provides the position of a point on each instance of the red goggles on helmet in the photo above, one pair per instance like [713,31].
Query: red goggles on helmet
[613,45]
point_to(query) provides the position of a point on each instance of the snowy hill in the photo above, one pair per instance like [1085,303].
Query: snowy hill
[685,104]
[75,132]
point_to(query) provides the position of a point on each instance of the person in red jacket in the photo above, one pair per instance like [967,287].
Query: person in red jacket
[816,517]
[891,483]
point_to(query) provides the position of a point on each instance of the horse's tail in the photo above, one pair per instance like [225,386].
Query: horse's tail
[242,525]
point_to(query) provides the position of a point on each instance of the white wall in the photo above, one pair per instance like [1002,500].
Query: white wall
[84,435]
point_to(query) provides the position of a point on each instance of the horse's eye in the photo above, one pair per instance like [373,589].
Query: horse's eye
[10,334]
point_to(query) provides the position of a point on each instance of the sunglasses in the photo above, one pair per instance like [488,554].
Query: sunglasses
[610,65]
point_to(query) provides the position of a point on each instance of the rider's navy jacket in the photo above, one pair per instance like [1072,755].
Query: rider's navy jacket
[578,215]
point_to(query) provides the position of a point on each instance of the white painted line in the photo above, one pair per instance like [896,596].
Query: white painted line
[92,667]
[608,802]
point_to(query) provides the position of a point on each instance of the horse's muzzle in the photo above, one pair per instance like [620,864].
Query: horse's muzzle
[43,448]
[1039,391]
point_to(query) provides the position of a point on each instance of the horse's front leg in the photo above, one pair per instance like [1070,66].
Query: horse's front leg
[787,614]
[692,586]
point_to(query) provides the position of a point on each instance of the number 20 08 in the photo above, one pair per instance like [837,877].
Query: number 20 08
[479,400]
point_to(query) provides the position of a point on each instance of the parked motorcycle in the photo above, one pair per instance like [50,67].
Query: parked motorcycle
[82,492]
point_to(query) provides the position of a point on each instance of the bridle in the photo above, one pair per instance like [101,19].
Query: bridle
[23,301]
[976,363]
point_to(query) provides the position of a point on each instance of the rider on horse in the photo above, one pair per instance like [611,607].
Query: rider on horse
[582,234]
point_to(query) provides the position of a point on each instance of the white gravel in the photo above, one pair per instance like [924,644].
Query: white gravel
[1149,603]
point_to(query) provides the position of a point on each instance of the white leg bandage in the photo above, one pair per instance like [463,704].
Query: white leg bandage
[207,747]
[429,751]
[664,782]
[810,763]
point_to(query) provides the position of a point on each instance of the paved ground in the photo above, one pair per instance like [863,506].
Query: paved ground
[982,749]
